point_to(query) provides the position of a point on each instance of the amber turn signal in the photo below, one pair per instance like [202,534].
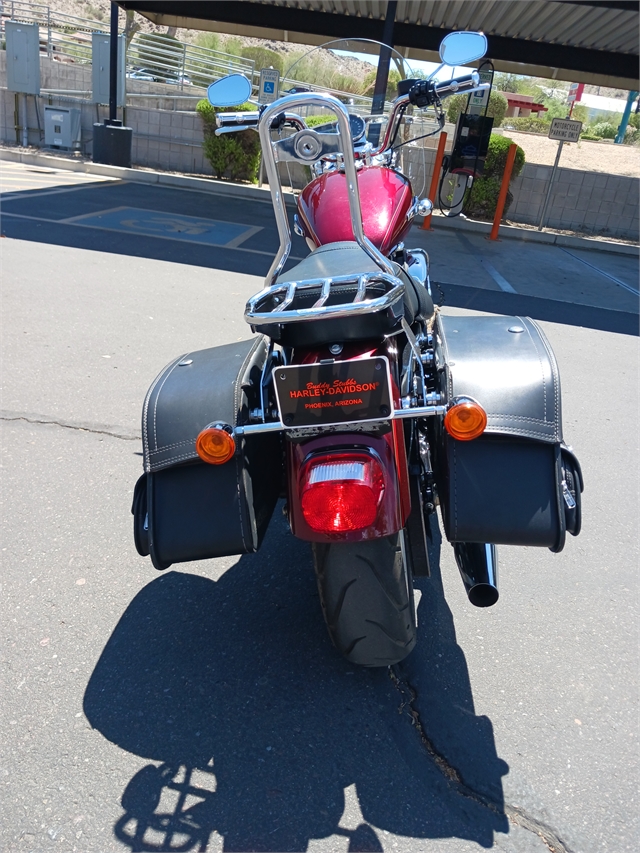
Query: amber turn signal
[465,420]
[215,445]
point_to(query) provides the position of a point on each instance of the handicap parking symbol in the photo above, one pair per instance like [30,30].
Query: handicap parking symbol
[269,87]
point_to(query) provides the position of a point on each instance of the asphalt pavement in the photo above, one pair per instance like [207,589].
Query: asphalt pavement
[204,708]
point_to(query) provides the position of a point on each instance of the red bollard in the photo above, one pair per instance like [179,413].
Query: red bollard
[435,177]
[504,189]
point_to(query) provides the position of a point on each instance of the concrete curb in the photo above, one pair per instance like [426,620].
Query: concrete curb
[511,232]
[141,176]
[263,194]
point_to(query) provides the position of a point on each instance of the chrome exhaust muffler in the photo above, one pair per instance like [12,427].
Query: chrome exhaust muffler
[478,565]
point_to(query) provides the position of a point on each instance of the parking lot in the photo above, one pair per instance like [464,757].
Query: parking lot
[204,708]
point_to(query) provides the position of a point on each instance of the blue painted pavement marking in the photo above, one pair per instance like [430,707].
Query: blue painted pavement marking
[172,226]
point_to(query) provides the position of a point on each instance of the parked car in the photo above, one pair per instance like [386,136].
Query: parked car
[175,79]
[141,74]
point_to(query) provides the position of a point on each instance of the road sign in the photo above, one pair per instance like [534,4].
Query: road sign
[269,85]
[565,130]
[479,100]
[575,92]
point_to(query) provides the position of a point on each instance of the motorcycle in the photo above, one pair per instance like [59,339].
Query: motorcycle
[357,400]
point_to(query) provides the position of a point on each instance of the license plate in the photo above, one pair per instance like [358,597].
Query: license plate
[335,393]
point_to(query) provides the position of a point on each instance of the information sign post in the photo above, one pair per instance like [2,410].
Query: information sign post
[269,85]
[564,130]
[478,100]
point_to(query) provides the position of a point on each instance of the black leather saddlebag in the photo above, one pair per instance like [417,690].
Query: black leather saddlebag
[519,483]
[183,508]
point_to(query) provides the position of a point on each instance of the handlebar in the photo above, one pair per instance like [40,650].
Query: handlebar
[460,84]
[423,93]
[234,122]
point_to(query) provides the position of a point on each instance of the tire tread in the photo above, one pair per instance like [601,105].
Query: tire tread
[364,592]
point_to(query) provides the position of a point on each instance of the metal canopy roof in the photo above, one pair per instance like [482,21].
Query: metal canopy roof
[589,41]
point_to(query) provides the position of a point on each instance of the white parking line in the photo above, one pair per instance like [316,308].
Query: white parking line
[602,272]
[499,279]
[16,195]
[165,237]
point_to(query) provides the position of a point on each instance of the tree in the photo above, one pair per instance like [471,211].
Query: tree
[264,58]
[131,27]
[580,113]
[497,108]
[506,82]
[392,84]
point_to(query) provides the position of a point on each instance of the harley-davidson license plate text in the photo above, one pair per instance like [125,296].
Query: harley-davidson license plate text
[334,393]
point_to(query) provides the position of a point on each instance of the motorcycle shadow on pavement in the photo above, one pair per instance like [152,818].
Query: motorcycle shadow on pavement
[260,732]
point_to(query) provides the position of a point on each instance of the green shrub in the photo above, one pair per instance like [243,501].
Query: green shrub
[314,121]
[313,70]
[604,130]
[482,199]
[392,84]
[529,124]
[232,155]
[208,40]
[590,136]
[497,108]
[264,58]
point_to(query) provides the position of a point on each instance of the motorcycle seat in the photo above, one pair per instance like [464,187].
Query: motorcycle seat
[346,258]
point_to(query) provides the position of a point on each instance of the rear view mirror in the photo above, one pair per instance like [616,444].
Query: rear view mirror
[229,91]
[461,47]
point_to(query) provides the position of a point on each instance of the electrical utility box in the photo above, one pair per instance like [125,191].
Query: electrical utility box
[471,144]
[100,47]
[23,57]
[62,127]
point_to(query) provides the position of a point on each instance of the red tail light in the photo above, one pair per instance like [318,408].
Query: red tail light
[341,492]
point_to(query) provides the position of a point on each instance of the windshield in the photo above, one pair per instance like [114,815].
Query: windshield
[347,68]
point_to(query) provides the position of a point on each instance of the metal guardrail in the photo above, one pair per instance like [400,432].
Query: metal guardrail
[169,60]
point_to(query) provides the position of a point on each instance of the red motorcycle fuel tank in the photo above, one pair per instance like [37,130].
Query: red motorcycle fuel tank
[385,198]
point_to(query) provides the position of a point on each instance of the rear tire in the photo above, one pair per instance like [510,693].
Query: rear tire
[366,594]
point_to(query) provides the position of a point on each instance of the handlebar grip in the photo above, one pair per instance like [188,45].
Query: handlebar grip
[426,92]
[231,120]
[458,84]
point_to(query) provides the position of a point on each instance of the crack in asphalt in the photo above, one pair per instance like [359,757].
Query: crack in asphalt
[37,419]
[515,814]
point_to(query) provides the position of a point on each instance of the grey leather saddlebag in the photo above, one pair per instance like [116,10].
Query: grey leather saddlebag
[185,509]
[519,483]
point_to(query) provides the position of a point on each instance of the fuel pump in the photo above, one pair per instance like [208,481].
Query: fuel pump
[470,145]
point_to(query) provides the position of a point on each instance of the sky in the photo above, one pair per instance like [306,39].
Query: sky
[427,68]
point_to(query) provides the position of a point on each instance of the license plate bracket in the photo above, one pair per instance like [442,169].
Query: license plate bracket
[336,392]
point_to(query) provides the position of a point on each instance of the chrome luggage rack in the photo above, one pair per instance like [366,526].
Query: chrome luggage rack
[280,303]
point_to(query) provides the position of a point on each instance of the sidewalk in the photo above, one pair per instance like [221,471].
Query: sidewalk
[210,185]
